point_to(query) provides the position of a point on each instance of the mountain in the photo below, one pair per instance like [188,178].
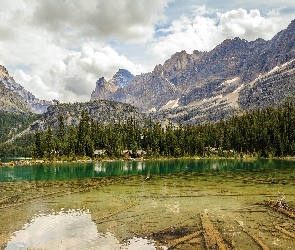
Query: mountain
[11,102]
[113,89]
[122,78]
[235,76]
[14,98]
[104,111]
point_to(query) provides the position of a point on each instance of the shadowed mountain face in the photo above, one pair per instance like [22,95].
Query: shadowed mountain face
[235,76]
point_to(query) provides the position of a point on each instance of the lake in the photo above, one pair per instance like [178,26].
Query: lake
[171,204]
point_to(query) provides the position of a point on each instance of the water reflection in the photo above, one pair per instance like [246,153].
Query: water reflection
[229,190]
[121,168]
[71,229]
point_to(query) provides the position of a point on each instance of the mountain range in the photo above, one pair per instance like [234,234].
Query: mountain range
[235,77]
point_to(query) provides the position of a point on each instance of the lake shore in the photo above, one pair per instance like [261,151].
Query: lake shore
[30,161]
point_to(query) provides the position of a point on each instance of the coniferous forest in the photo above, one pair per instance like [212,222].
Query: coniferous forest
[264,133]
[10,125]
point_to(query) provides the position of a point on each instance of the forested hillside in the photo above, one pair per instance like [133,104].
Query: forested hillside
[266,133]
[20,143]
[12,124]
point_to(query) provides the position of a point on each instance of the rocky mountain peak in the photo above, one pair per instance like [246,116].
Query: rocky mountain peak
[287,35]
[122,78]
[101,82]
[103,90]
[3,71]
[158,70]
[291,26]
[179,61]
[202,83]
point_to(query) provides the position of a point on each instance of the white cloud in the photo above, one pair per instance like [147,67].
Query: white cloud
[76,75]
[203,32]
[187,34]
[250,26]
[63,44]
[35,85]
[126,20]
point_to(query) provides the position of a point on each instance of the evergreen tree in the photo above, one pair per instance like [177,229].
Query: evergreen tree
[38,151]
[83,137]
[49,146]
[60,140]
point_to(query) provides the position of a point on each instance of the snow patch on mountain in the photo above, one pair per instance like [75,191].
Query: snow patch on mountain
[171,104]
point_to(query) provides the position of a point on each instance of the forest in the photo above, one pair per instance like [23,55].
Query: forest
[10,125]
[263,133]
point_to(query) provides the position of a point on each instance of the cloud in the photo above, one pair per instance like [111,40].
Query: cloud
[125,20]
[63,44]
[35,85]
[76,75]
[203,30]
[250,26]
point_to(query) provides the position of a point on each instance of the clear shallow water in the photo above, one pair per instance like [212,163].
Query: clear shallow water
[71,229]
[110,205]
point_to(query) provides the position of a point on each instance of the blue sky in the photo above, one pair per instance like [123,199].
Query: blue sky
[59,48]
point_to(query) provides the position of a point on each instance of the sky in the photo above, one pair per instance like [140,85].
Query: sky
[57,49]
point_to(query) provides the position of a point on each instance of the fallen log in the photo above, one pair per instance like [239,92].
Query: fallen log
[256,239]
[212,236]
[284,231]
[178,241]
[283,209]
[101,219]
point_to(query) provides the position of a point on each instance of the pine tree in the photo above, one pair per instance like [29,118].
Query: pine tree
[38,151]
[83,134]
[49,146]
[60,140]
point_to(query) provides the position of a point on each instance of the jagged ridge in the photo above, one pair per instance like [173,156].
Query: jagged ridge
[193,86]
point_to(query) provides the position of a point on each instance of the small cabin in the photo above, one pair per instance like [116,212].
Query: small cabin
[140,153]
[99,152]
[127,153]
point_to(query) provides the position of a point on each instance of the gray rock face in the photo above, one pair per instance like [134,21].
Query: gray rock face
[113,89]
[193,86]
[122,78]
[104,90]
[19,94]
[103,111]
[11,102]
[272,89]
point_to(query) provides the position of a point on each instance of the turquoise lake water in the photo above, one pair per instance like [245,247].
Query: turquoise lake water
[67,171]
[145,205]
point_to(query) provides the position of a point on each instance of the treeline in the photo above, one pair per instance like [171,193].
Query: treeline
[266,133]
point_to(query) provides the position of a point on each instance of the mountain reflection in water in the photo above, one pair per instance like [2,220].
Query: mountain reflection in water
[71,229]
